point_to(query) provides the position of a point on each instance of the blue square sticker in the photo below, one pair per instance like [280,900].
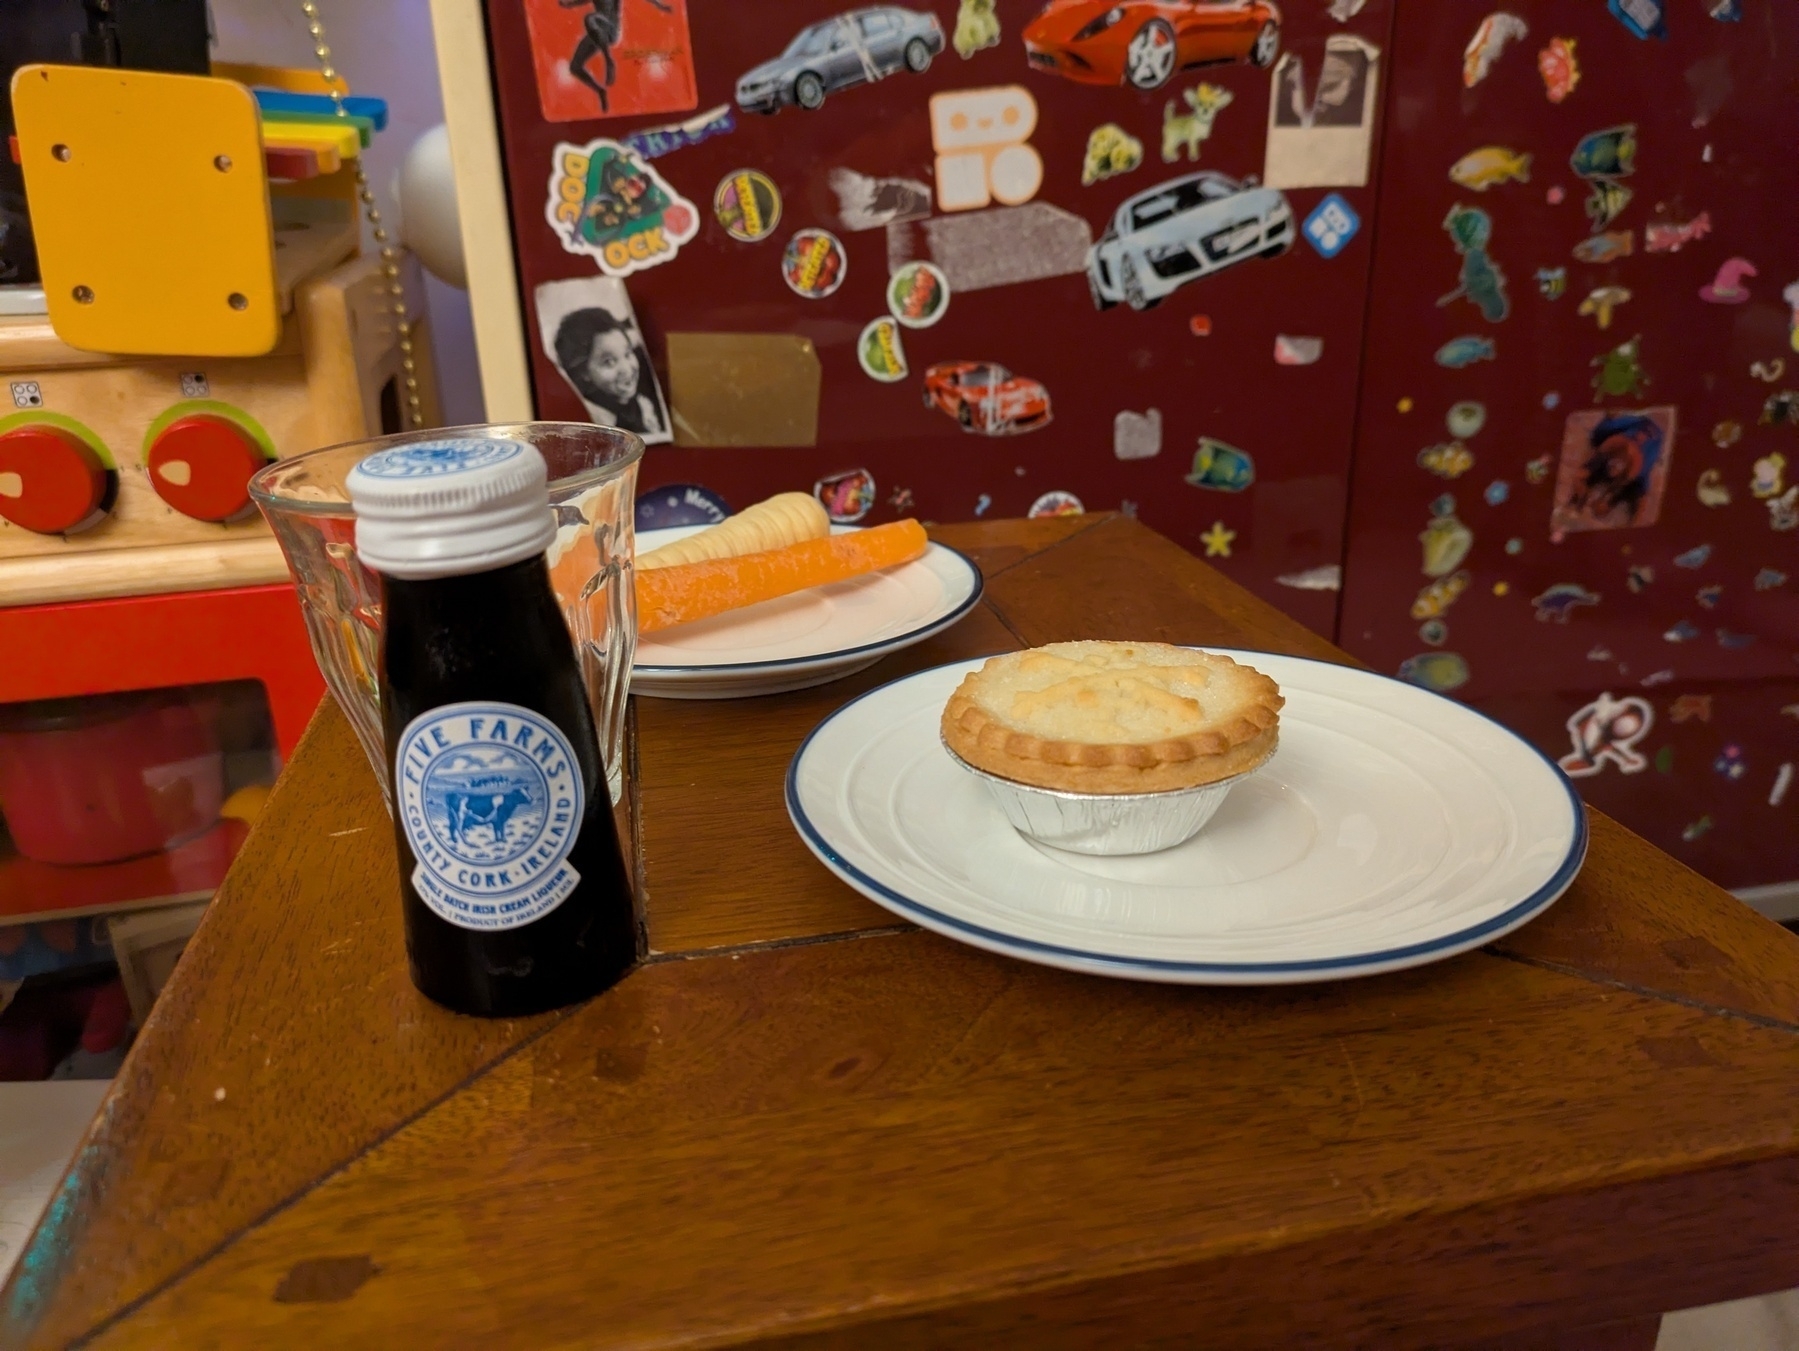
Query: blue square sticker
[1332,224]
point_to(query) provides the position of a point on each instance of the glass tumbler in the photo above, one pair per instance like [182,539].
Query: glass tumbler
[593,488]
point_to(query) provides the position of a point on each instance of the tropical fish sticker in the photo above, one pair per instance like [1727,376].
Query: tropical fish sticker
[1439,672]
[1465,351]
[1490,166]
[1446,540]
[1221,467]
[607,201]
[1558,602]
[1560,70]
[1436,597]
[1482,282]
[1490,39]
[1611,153]
[1606,202]
[1606,247]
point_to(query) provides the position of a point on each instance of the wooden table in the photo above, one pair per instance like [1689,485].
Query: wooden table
[804,1124]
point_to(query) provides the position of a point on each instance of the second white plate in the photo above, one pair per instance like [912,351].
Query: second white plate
[1393,827]
[808,638]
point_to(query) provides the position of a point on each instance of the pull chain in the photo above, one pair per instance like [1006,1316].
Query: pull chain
[390,256]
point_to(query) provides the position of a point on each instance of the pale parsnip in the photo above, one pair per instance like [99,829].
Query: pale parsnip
[787,518]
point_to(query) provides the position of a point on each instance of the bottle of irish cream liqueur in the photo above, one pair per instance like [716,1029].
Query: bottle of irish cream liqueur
[515,891]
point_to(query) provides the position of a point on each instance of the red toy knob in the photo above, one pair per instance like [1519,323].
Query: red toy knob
[50,480]
[201,466]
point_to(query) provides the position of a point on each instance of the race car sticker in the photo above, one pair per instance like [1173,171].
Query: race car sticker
[607,202]
[986,398]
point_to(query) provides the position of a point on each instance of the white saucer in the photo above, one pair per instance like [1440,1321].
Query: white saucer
[1393,827]
[808,638]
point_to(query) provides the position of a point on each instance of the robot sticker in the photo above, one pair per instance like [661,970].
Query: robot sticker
[611,58]
[1482,281]
[982,137]
[607,202]
[1614,469]
[1608,730]
[1327,142]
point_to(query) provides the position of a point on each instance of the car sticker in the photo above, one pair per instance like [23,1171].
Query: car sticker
[977,27]
[1111,150]
[1326,140]
[918,294]
[606,202]
[982,137]
[814,263]
[880,351]
[1133,44]
[986,398]
[1137,436]
[611,58]
[841,52]
[748,204]
[1613,470]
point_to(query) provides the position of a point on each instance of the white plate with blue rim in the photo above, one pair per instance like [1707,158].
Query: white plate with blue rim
[808,638]
[1393,827]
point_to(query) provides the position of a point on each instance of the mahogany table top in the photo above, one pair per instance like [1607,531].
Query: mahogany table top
[805,1123]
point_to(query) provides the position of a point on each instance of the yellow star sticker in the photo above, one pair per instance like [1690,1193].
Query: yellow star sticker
[1218,540]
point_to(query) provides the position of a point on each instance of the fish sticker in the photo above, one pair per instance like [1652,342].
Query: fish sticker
[1693,558]
[1605,248]
[1727,287]
[1600,303]
[1610,153]
[1552,282]
[881,353]
[1560,70]
[1708,596]
[1111,150]
[1605,732]
[1482,282]
[1325,577]
[1614,469]
[1465,351]
[1669,236]
[1620,371]
[1497,493]
[1559,601]
[1438,672]
[607,202]
[1767,478]
[1137,436]
[1497,31]
[1490,166]
[1639,578]
[1449,460]
[1221,467]
[1465,419]
[1446,540]
[1642,17]
[1436,597]
[1711,489]
[1606,202]
[1769,578]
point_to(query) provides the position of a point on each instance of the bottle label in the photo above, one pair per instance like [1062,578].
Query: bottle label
[490,797]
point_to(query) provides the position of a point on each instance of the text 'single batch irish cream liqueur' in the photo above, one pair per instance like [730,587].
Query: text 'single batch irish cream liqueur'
[515,891]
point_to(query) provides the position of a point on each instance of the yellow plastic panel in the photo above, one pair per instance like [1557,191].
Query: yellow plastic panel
[151,210]
[343,140]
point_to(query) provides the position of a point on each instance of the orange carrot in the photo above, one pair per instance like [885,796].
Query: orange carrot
[685,592]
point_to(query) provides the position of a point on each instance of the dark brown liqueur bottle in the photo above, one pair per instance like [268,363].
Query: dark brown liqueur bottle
[514,888]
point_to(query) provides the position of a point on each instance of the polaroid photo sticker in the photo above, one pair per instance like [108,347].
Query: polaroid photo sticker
[607,202]
[1325,142]
[611,58]
[1614,469]
[590,334]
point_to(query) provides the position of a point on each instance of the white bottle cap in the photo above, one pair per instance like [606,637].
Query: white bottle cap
[450,507]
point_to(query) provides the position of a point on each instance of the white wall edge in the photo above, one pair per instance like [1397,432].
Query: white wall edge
[1778,900]
[459,29]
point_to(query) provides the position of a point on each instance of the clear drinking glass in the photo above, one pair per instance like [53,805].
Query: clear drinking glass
[593,489]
